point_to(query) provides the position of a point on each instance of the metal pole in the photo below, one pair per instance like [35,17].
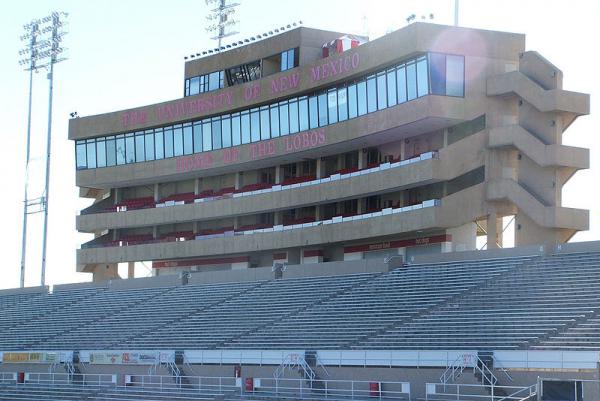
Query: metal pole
[455,12]
[28,146]
[47,188]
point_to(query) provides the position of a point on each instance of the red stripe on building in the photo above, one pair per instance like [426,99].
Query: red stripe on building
[198,262]
[436,239]
[313,252]
[280,256]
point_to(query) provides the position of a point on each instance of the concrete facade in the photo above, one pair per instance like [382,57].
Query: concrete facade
[436,169]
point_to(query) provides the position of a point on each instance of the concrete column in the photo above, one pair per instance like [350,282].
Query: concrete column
[492,230]
[197,186]
[402,150]
[155,232]
[131,270]
[298,169]
[277,218]
[236,222]
[361,205]
[278,175]
[319,168]
[115,234]
[318,212]
[238,180]
[196,227]
[340,161]
[156,192]
[105,272]
[118,195]
[362,162]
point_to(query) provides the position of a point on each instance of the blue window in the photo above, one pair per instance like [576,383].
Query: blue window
[361,88]
[265,125]
[120,149]
[342,104]
[101,153]
[371,94]
[226,131]
[149,143]
[323,110]
[391,88]
[178,141]
[188,139]
[438,73]
[401,84]
[129,149]
[293,116]
[455,76]
[197,129]
[91,153]
[236,136]
[159,144]
[216,133]
[206,135]
[245,127]
[313,105]
[194,86]
[411,80]
[381,91]
[332,106]
[254,125]
[303,113]
[422,78]
[80,155]
[352,102]
[111,151]
[168,142]
[274,110]
[284,118]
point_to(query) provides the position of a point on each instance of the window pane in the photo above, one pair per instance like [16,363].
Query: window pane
[437,65]
[352,102]
[361,88]
[206,135]
[455,75]
[274,110]
[332,106]
[411,80]
[159,145]
[322,110]
[284,122]
[290,57]
[245,127]
[226,131]
[313,105]
[391,88]
[213,81]
[80,155]
[91,154]
[371,94]
[186,91]
[293,117]
[194,86]
[284,62]
[381,91]
[197,128]
[254,125]
[401,84]
[120,150]
[149,145]
[111,152]
[236,136]
[303,113]
[265,123]
[129,149]
[216,133]
[140,150]
[178,141]
[342,105]
[168,142]
[188,141]
[101,153]
[422,78]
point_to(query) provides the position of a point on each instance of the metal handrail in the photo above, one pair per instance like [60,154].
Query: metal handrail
[475,392]
[500,366]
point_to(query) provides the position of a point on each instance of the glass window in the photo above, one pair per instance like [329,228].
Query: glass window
[342,104]
[206,135]
[139,147]
[111,151]
[391,88]
[254,125]
[422,78]
[323,109]
[129,149]
[159,145]
[303,113]
[293,116]
[226,131]
[168,142]
[361,88]
[284,61]
[401,84]
[186,91]
[91,154]
[381,91]
[197,128]
[291,55]
[265,123]
[80,155]
[101,153]
[411,80]
[455,76]
[214,81]
[313,104]
[194,86]
[284,122]
[245,127]
[188,140]
[352,102]
[274,110]
[236,137]
[332,106]
[216,133]
[371,94]
[149,142]
[437,65]
[202,83]
[120,149]
[178,140]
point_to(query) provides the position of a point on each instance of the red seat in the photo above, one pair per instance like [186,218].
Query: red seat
[186,197]
[300,220]
[297,180]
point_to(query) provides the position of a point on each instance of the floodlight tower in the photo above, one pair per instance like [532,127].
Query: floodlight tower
[220,19]
[44,37]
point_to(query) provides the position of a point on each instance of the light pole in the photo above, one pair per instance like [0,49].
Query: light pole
[44,37]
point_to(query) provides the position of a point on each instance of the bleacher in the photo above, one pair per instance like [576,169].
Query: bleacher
[526,302]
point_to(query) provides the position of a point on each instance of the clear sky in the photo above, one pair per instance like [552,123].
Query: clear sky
[128,53]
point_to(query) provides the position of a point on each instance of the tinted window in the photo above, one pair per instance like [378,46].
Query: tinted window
[140,149]
[342,104]
[236,137]
[265,123]
[322,110]
[245,127]
[178,141]
[197,128]
[352,102]
[332,106]
[168,142]
[206,135]
[401,84]
[149,142]
[254,125]
[438,73]
[188,141]
[80,155]
[284,122]
[111,151]
[120,150]
[274,110]
[91,154]
[313,105]
[195,86]
[371,94]
[129,149]
[422,78]
[159,146]
[216,133]
[381,91]
[361,88]
[391,88]
[293,117]
[226,131]
[411,80]
[303,112]
[455,75]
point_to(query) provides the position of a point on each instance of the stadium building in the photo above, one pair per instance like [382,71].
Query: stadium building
[323,195]
[312,146]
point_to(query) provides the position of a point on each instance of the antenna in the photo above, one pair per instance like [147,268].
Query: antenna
[220,19]
[455,12]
